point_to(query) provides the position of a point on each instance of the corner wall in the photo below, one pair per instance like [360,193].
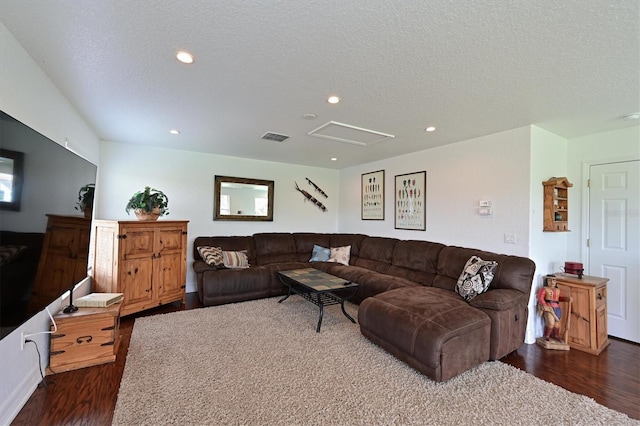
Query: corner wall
[547,249]
[29,96]
[583,152]
[187,178]
[494,167]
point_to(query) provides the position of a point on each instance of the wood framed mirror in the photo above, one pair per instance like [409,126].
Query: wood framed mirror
[243,199]
[11,170]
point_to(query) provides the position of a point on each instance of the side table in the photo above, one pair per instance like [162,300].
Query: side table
[588,331]
[87,337]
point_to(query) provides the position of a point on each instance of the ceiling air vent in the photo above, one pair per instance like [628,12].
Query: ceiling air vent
[270,136]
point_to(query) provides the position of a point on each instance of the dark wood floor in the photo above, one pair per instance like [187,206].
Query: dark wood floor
[88,396]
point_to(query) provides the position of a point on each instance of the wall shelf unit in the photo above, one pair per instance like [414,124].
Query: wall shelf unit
[556,204]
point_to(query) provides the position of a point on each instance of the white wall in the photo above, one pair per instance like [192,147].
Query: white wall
[600,148]
[187,178]
[493,167]
[547,249]
[29,96]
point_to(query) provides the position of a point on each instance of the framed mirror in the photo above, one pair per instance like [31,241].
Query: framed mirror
[242,199]
[11,166]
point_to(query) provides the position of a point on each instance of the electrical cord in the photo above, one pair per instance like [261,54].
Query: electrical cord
[43,383]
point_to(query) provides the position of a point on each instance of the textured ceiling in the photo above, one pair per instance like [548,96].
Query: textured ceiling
[470,68]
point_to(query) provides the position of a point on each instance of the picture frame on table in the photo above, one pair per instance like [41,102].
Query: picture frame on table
[372,196]
[410,201]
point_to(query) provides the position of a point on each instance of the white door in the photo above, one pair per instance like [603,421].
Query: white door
[614,234]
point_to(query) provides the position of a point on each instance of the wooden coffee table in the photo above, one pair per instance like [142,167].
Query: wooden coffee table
[319,288]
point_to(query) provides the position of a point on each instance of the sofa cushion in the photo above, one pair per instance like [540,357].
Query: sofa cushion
[9,253]
[415,260]
[235,259]
[306,240]
[320,254]
[218,286]
[272,247]
[340,255]
[431,329]
[212,256]
[500,299]
[233,243]
[376,253]
[475,278]
[512,271]
[353,240]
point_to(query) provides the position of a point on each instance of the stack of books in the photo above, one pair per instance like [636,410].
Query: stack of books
[98,300]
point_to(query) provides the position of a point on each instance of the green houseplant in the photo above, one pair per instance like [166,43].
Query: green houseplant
[85,199]
[148,204]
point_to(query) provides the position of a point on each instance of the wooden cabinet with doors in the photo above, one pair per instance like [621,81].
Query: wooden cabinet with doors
[588,324]
[147,261]
[556,204]
[64,258]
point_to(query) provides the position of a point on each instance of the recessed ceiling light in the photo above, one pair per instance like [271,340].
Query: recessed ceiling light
[430,129]
[184,57]
[632,116]
[309,116]
[333,99]
[334,159]
[174,131]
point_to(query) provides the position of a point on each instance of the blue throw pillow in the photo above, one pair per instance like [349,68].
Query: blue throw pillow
[320,254]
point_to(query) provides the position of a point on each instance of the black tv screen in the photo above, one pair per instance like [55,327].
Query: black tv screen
[38,177]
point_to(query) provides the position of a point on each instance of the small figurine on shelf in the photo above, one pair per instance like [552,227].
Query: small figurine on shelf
[549,299]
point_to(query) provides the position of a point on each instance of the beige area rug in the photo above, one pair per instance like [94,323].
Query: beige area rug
[262,363]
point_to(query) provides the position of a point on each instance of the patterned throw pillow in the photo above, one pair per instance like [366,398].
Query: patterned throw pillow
[320,254]
[10,253]
[475,278]
[340,255]
[211,255]
[235,259]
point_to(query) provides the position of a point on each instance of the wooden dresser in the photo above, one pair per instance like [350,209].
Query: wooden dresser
[147,261]
[87,337]
[63,261]
[588,326]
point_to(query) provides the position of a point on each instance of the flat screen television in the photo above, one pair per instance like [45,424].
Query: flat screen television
[38,178]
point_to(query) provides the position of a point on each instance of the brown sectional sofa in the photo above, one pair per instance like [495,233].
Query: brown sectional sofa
[408,303]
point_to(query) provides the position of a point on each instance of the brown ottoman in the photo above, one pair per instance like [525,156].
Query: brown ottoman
[433,330]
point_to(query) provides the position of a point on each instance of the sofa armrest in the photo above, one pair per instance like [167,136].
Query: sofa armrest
[200,266]
[499,299]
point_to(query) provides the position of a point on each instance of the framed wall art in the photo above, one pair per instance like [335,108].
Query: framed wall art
[410,201]
[372,195]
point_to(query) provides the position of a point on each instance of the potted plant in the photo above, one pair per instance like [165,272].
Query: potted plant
[148,204]
[85,199]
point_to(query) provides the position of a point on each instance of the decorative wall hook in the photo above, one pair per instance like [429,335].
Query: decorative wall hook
[311,198]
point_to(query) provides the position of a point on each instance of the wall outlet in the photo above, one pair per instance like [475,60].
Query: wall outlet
[23,336]
[510,238]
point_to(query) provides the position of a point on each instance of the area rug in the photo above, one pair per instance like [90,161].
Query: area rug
[262,363]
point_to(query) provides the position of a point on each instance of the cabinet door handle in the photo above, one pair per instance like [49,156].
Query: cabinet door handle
[84,339]
[599,296]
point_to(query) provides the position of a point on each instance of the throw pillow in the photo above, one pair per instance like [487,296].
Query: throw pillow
[320,254]
[235,259]
[475,277]
[10,253]
[340,255]
[211,255]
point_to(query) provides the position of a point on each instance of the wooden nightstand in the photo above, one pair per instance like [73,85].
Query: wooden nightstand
[588,329]
[87,337]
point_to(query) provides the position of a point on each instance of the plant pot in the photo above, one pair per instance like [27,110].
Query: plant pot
[144,215]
